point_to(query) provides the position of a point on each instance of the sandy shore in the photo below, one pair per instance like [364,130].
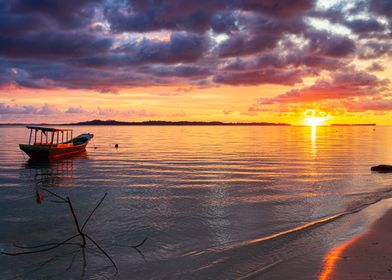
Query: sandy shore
[368,256]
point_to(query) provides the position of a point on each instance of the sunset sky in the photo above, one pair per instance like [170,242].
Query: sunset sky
[206,60]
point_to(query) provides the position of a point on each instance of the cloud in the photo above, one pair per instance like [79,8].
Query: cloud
[27,109]
[9,112]
[182,47]
[280,8]
[374,49]
[375,67]
[53,45]
[382,7]
[178,71]
[75,110]
[258,77]
[364,26]
[244,45]
[66,14]
[128,113]
[195,16]
[109,45]
[373,104]
[326,44]
[341,85]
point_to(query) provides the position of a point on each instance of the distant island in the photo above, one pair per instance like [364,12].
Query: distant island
[184,123]
[354,124]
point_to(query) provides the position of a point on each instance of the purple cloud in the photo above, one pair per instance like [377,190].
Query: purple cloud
[108,45]
[266,76]
[27,109]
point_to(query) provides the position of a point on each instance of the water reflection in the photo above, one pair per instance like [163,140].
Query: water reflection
[332,258]
[193,188]
[314,138]
[50,173]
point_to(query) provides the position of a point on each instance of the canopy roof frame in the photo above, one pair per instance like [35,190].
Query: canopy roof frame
[47,128]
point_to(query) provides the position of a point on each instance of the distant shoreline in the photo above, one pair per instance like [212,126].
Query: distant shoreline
[173,123]
[159,123]
[358,124]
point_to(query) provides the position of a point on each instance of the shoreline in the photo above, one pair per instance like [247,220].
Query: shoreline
[365,256]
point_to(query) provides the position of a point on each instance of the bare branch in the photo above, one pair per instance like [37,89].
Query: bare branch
[72,261]
[39,251]
[43,245]
[56,195]
[57,201]
[76,222]
[103,251]
[140,244]
[92,212]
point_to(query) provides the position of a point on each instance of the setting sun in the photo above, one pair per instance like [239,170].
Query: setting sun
[314,120]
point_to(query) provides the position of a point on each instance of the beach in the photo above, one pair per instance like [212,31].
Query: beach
[366,256]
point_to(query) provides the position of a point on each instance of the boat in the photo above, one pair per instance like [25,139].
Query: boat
[46,143]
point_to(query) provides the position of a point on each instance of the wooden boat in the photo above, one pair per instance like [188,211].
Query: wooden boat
[46,142]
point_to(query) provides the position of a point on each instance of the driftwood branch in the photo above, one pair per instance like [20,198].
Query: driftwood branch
[42,250]
[43,245]
[51,246]
[103,251]
[140,244]
[56,195]
[80,233]
[92,212]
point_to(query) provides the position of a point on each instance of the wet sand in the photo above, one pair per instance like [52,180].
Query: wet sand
[367,256]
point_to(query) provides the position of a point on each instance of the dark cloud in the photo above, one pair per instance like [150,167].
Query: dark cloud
[280,8]
[374,49]
[363,26]
[327,44]
[15,25]
[239,45]
[196,16]
[178,71]
[258,77]
[382,7]
[182,47]
[224,22]
[67,14]
[142,16]
[52,45]
[106,45]
[289,60]
[260,33]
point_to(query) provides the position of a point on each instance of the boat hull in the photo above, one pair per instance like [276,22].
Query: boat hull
[42,152]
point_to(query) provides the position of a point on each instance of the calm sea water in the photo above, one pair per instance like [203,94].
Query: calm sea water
[213,202]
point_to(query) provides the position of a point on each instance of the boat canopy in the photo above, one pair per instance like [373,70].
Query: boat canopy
[48,135]
[47,128]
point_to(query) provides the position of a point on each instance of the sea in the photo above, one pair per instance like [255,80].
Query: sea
[190,202]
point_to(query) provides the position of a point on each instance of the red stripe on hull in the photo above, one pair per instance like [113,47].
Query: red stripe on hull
[46,152]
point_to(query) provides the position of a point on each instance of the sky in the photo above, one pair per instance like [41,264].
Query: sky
[206,60]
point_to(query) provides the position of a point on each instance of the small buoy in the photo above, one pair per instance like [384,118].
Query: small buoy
[116,146]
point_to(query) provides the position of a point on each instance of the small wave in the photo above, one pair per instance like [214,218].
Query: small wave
[373,198]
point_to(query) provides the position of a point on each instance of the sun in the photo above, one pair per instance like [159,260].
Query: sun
[315,121]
